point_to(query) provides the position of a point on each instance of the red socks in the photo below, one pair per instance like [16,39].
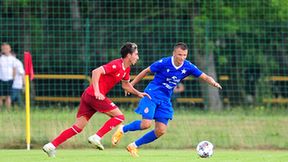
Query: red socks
[70,132]
[66,134]
[110,124]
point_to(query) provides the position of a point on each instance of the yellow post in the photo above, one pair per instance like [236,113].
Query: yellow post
[27,103]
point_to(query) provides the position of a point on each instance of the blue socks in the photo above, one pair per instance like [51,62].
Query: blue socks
[147,138]
[136,125]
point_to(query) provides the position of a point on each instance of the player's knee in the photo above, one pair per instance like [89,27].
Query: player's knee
[77,129]
[121,118]
[145,125]
[81,122]
[160,131]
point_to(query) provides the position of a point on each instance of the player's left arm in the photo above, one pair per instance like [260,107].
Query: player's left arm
[210,80]
[129,88]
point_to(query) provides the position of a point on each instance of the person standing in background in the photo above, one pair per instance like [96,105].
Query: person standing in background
[18,82]
[7,74]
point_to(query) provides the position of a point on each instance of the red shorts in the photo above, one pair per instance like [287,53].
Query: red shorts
[90,105]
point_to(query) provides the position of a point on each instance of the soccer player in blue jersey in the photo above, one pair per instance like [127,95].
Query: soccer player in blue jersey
[168,72]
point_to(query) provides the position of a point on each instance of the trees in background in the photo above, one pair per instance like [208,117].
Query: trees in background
[225,37]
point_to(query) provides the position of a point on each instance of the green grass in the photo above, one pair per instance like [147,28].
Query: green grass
[118,155]
[257,128]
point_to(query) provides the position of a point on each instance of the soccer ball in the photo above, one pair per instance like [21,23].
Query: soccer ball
[205,149]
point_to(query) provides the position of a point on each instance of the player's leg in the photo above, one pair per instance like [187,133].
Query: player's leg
[84,113]
[162,115]
[133,126]
[160,126]
[116,117]
[77,127]
[147,108]
[160,129]
[137,125]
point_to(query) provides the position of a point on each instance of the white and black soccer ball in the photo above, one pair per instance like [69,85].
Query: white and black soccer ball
[205,149]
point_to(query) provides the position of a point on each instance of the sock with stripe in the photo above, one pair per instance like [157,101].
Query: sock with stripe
[66,134]
[110,124]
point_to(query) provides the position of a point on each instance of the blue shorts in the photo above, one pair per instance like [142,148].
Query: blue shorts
[158,110]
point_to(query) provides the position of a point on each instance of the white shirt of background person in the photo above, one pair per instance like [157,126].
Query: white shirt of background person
[19,77]
[7,63]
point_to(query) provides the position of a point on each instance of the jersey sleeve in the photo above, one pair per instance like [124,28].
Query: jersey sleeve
[127,75]
[110,67]
[156,66]
[194,70]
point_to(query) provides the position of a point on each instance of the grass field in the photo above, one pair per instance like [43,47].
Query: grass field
[118,155]
[237,129]
[238,135]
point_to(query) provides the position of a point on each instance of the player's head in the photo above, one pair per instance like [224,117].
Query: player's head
[5,48]
[130,51]
[180,53]
[181,45]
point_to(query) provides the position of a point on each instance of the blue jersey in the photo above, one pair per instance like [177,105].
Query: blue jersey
[167,76]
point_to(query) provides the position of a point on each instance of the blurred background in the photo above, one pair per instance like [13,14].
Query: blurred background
[243,44]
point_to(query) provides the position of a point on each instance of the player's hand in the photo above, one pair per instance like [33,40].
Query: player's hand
[99,96]
[142,94]
[217,85]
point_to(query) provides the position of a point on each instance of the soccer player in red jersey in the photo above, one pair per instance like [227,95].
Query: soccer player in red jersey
[94,99]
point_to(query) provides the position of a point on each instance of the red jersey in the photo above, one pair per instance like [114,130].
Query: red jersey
[114,73]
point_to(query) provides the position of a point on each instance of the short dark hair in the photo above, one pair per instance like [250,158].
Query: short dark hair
[5,43]
[128,47]
[181,45]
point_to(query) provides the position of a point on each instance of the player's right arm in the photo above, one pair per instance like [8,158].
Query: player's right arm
[210,80]
[96,73]
[130,89]
[141,75]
